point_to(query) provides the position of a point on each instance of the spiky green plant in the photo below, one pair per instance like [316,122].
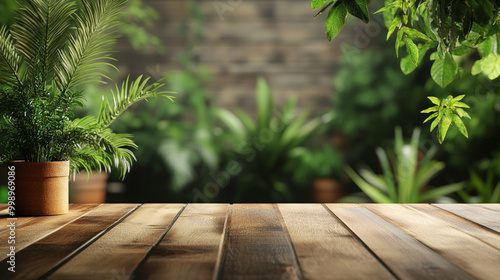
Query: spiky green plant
[51,50]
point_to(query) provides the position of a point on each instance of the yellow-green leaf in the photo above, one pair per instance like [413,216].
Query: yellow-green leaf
[431,117]
[430,110]
[444,125]
[459,124]
[434,100]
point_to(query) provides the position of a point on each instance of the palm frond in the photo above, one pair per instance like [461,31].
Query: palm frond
[127,95]
[10,62]
[89,49]
[41,30]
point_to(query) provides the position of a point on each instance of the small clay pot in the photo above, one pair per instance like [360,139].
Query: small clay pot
[41,187]
[326,190]
[89,188]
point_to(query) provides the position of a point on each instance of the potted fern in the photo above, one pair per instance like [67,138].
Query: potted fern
[52,50]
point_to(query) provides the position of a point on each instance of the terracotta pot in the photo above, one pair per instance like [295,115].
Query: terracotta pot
[89,189]
[41,187]
[326,190]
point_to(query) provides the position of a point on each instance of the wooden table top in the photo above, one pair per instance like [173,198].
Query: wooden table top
[256,241]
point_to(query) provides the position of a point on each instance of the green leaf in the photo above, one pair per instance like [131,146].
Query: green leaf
[437,120]
[335,20]
[476,68]
[374,193]
[399,37]
[430,110]
[460,104]
[431,117]
[488,46]
[415,34]
[412,50]
[491,66]
[444,125]
[324,8]
[434,100]
[395,23]
[317,3]
[443,71]
[358,8]
[264,101]
[441,191]
[458,98]
[406,64]
[232,122]
[462,50]
[459,124]
[462,113]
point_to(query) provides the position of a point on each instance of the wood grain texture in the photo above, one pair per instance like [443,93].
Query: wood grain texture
[119,252]
[403,255]
[468,227]
[258,246]
[31,229]
[490,206]
[451,242]
[483,216]
[190,248]
[325,248]
[48,253]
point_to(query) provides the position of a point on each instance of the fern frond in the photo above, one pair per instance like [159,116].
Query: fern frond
[41,30]
[107,148]
[89,49]
[10,62]
[127,95]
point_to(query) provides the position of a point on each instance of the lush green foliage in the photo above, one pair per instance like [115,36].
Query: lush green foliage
[267,149]
[406,174]
[368,89]
[448,29]
[486,191]
[51,50]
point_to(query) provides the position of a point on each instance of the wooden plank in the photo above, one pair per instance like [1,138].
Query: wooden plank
[258,246]
[404,256]
[490,206]
[325,248]
[31,229]
[190,248]
[44,256]
[479,215]
[478,232]
[120,251]
[472,255]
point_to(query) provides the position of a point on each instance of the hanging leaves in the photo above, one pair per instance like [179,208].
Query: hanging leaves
[445,113]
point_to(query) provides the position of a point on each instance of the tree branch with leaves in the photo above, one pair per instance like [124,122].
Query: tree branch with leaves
[447,29]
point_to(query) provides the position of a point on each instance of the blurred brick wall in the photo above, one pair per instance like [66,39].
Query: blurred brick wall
[277,39]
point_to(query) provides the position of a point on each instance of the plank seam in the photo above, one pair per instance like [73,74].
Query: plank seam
[88,243]
[285,229]
[224,243]
[462,217]
[157,243]
[356,237]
